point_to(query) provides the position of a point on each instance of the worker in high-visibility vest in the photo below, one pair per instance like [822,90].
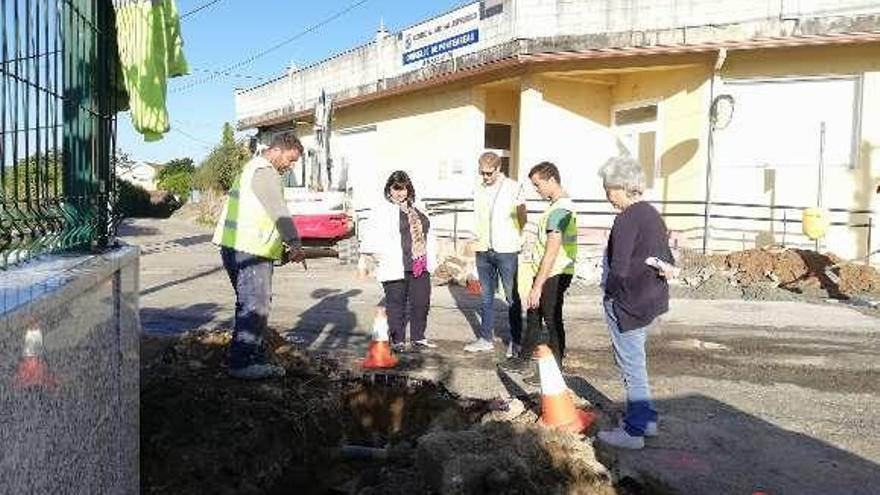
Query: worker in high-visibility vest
[551,267]
[254,231]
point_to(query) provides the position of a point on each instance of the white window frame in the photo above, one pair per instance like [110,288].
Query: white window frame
[644,126]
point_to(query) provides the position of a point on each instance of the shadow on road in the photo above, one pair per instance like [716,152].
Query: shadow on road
[470,305]
[177,320]
[329,323]
[708,446]
[172,283]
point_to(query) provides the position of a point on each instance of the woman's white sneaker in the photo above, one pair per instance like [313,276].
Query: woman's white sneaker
[512,350]
[619,438]
[650,428]
[480,345]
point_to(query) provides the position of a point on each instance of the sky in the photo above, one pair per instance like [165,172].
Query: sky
[226,32]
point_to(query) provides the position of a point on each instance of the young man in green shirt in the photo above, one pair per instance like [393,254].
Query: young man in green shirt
[552,266]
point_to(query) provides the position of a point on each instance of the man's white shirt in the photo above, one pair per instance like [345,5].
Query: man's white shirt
[495,207]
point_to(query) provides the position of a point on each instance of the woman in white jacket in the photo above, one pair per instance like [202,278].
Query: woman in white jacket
[399,238]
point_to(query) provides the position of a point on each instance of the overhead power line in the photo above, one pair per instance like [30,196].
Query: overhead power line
[177,129]
[227,74]
[280,44]
[198,9]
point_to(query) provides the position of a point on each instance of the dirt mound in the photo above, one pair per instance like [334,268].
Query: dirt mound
[502,457]
[205,212]
[322,430]
[798,269]
[764,273]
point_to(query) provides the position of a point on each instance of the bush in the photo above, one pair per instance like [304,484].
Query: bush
[179,184]
[136,202]
[222,166]
[176,177]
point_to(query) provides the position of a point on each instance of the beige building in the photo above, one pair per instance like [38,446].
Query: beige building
[793,89]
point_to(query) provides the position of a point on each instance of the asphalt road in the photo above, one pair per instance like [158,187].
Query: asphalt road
[779,397]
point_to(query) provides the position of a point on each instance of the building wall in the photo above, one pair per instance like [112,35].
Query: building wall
[535,18]
[436,137]
[534,26]
[566,122]
[566,118]
[681,95]
[844,187]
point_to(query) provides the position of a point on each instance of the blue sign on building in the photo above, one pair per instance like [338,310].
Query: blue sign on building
[440,47]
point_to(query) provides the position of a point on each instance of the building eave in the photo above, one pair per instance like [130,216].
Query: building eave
[521,56]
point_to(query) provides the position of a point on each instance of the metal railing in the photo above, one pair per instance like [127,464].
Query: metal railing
[57,131]
[783,220]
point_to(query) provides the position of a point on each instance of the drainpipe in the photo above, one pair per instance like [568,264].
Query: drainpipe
[716,80]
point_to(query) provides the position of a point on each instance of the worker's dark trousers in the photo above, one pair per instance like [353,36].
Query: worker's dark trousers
[549,312]
[251,278]
[414,294]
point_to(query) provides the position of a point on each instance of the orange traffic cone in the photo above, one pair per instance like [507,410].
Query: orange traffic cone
[473,285]
[32,371]
[379,353]
[557,405]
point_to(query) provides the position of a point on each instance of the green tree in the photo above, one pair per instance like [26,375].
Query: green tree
[221,167]
[177,177]
[228,134]
[38,175]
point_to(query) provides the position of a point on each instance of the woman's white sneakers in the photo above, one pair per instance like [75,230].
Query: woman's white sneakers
[480,345]
[423,344]
[618,437]
[513,350]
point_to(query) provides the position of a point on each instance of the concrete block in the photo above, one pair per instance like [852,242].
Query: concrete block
[68,404]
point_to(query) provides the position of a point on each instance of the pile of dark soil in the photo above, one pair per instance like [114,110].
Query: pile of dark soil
[322,430]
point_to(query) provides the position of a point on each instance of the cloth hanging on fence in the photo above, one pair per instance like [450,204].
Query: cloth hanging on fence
[150,50]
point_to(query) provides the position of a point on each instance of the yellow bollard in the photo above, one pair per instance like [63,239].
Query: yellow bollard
[815,223]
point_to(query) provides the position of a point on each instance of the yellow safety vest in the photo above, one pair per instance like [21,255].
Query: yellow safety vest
[244,224]
[566,257]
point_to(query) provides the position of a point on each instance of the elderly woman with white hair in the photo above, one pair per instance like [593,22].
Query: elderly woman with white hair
[636,293]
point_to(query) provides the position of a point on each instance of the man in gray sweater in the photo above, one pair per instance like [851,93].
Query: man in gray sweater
[254,231]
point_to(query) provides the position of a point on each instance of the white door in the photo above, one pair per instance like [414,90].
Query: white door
[355,165]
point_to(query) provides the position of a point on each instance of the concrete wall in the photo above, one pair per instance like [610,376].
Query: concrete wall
[363,66]
[436,137]
[532,26]
[537,18]
[844,187]
[566,122]
[681,95]
[69,376]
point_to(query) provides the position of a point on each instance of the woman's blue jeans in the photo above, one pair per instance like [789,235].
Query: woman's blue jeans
[629,353]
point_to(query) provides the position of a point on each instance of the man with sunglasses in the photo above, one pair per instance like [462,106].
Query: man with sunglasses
[500,208]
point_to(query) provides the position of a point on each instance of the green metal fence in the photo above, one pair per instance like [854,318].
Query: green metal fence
[57,131]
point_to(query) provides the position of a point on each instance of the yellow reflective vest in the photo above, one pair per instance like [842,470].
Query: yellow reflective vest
[567,255]
[244,224]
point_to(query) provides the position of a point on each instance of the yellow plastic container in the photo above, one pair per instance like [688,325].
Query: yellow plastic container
[815,223]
